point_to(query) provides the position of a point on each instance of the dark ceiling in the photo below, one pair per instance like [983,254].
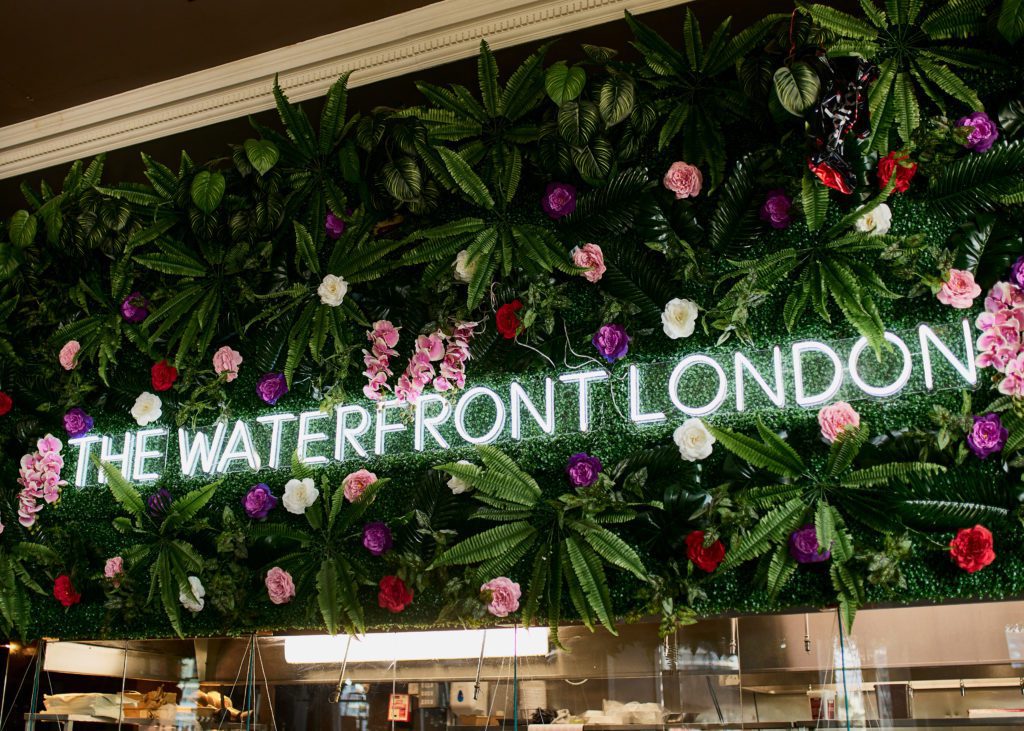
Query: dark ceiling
[88,50]
[75,51]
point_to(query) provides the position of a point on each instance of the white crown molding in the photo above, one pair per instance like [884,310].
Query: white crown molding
[429,36]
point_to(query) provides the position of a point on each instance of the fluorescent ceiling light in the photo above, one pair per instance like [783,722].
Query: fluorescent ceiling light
[412,646]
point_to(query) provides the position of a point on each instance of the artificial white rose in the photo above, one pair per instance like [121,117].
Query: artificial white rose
[332,290]
[193,601]
[679,318]
[457,485]
[147,408]
[876,221]
[299,495]
[694,440]
[464,270]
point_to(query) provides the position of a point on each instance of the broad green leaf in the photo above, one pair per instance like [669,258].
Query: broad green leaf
[262,154]
[22,228]
[563,83]
[797,87]
[617,98]
[207,190]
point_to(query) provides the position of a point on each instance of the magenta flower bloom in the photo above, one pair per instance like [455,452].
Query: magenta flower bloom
[271,387]
[334,225]
[775,209]
[158,503]
[559,200]
[803,546]
[611,342]
[983,134]
[1017,272]
[987,436]
[135,308]
[77,423]
[259,501]
[583,469]
[377,538]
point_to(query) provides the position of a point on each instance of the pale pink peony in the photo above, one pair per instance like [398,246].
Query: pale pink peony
[683,179]
[590,257]
[504,596]
[356,483]
[113,570]
[227,360]
[280,587]
[835,418]
[69,354]
[959,290]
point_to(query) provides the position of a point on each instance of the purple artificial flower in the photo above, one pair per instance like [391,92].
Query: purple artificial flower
[611,342]
[987,436]
[377,538]
[271,387]
[583,469]
[775,209]
[158,503]
[559,200]
[334,225]
[259,501]
[983,131]
[803,546]
[77,423]
[135,308]
[1017,272]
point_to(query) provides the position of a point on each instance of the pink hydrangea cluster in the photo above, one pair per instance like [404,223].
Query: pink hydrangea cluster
[39,477]
[456,353]
[420,371]
[1000,345]
[383,339]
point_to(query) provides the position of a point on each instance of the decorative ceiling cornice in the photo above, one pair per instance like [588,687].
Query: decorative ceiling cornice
[445,31]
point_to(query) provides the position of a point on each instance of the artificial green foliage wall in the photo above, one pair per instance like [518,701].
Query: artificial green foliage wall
[433,216]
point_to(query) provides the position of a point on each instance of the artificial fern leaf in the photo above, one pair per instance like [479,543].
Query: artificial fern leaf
[759,454]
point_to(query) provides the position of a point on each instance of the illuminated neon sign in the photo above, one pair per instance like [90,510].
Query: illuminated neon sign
[807,374]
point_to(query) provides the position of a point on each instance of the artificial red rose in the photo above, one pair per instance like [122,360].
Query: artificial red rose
[394,595]
[64,591]
[900,163]
[164,375]
[972,548]
[507,320]
[704,557]
[5,403]
[830,177]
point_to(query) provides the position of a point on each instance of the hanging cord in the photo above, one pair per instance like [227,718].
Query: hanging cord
[250,686]
[394,689]
[7,675]
[124,678]
[60,725]
[842,663]
[241,663]
[14,703]
[494,695]
[266,684]
[336,695]
[515,676]
[479,667]
[35,686]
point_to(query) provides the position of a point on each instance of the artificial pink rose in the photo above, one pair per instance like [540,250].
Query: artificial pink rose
[959,290]
[356,483]
[226,360]
[502,596]
[837,417]
[113,570]
[68,354]
[590,257]
[683,179]
[280,587]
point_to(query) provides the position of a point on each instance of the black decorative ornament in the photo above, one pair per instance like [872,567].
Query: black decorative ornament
[842,111]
